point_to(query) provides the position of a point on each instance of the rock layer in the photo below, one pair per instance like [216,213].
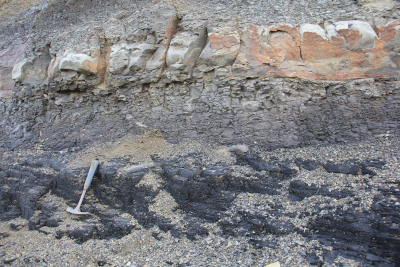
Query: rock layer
[78,74]
[274,112]
[282,84]
[343,50]
[336,209]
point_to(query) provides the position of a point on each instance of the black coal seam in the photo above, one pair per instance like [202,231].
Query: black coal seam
[255,222]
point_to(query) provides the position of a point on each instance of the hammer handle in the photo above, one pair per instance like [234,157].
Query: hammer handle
[92,170]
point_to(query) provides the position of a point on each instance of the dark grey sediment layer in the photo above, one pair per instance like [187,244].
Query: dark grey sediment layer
[200,205]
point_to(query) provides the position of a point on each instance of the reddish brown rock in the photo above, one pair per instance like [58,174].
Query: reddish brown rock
[254,50]
[388,32]
[222,47]
[289,29]
[314,47]
[351,36]
[349,50]
[100,64]
[270,46]
[264,49]
[284,47]
[218,41]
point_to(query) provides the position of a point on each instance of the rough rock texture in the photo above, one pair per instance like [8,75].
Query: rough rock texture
[338,204]
[274,112]
[181,52]
[194,76]
[251,76]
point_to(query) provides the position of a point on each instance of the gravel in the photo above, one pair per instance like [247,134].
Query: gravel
[149,245]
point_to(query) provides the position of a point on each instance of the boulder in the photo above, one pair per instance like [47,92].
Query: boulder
[183,53]
[127,58]
[178,48]
[119,59]
[139,56]
[157,60]
[359,35]
[78,62]
[18,71]
[312,28]
[222,47]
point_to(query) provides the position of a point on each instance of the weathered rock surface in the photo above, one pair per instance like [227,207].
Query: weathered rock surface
[183,48]
[195,77]
[263,74]
[273,111]
[77,62]
[195,194]
[344,50]
[200,77]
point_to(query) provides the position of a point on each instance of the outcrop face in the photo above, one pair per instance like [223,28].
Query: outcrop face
[274,112]
[176,68]
[263,74]
[305,203]
[178,52]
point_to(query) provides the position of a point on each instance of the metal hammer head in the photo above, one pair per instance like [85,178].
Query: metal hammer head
[77,211]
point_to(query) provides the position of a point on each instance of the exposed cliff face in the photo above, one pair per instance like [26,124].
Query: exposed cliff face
[177,48]
[211,77]
[83,79]
[271,111]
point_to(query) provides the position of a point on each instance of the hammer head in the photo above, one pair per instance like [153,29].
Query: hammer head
[77,211]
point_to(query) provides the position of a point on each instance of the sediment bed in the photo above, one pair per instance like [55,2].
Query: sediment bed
[229,133]
[194,204]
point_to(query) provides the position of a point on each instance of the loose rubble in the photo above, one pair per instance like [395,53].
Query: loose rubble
[229,133]
[195,204]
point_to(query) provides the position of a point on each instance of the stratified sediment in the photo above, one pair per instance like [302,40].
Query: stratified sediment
[268,129]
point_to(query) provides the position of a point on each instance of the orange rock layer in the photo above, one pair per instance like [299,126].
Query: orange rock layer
[343,50]
[281,51]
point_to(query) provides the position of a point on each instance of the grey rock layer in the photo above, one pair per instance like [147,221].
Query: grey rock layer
[273,112]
